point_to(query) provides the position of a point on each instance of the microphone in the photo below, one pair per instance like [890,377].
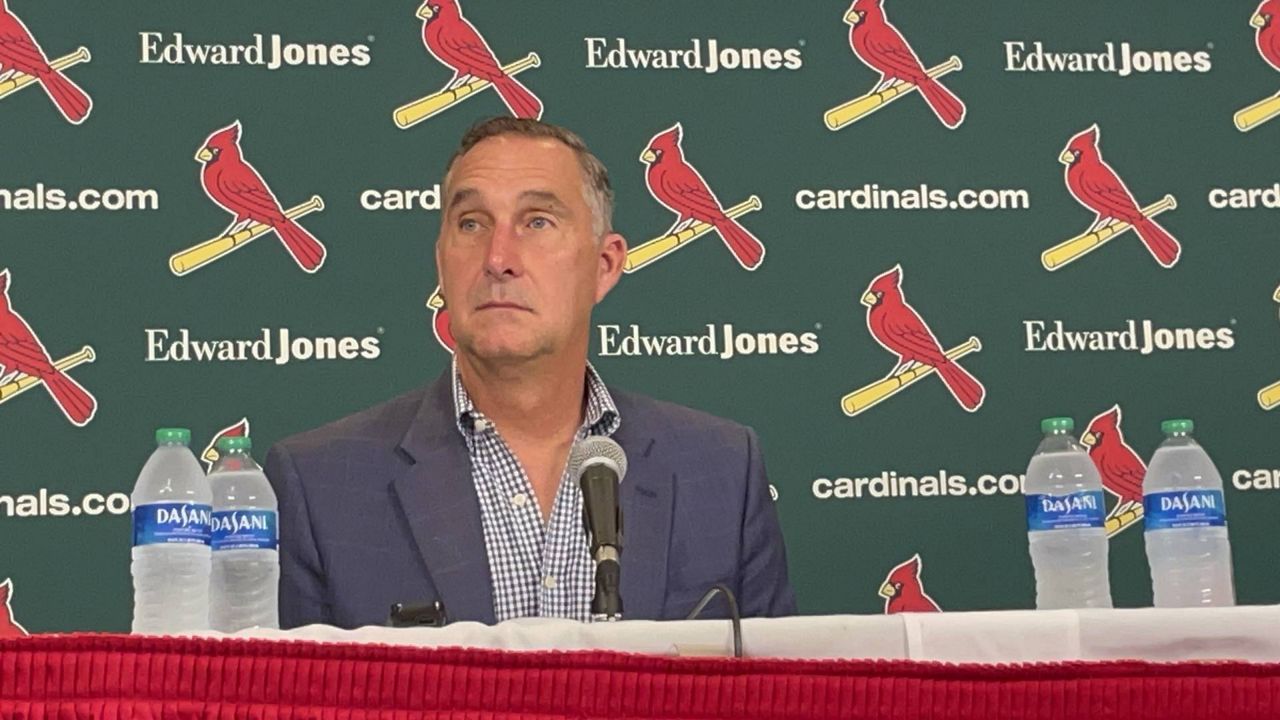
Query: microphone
[600,464]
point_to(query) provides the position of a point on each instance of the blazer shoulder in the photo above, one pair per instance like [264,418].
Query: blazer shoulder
[382,425]
[679,423]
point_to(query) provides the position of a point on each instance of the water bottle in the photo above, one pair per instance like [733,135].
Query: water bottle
[1186,524]
[171,518]
[1065,514]
[246,564]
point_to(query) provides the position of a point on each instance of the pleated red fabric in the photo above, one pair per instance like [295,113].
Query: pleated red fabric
[116,676]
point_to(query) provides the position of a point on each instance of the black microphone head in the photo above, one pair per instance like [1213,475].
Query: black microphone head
[598,449]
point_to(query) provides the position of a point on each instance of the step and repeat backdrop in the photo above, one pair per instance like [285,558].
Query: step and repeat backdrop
[969,217]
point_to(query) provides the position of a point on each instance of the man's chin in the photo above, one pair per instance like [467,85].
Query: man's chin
[501,350]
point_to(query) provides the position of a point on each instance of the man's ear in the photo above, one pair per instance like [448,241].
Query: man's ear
[613,255]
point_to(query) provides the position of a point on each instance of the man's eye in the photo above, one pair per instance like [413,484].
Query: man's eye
[539,223]
[468,225]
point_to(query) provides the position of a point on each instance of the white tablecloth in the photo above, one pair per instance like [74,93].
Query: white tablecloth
[1243,633]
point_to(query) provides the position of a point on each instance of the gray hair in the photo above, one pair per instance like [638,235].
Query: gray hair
[596,189]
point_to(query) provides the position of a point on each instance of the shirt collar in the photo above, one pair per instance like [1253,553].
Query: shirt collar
[602,417]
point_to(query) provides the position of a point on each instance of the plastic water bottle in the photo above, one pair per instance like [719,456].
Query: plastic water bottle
[1065,514]
[246,563]
[171,517]
[1186,523]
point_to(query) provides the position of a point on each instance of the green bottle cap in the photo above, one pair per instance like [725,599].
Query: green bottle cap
[1181,425]
[173,435]
[1057,423]
[234,442]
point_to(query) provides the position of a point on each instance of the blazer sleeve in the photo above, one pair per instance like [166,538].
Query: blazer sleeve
[765,590]
[302,580]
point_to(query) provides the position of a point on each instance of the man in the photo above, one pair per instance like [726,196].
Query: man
[459,491]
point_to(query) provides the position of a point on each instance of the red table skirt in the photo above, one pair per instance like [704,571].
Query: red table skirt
[110,676]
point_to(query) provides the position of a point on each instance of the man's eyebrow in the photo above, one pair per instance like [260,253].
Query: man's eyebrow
[548,198]
[462,194]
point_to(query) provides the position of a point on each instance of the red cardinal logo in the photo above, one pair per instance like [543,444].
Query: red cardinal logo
[440,320]
[9,627]
[680,188]
[1096,186]
[1267,20]
[903,591]
[1120,467]
[19,52]
[900,330]
[880,46]
[232,183]
[454,41]
[210,454]
[22,352]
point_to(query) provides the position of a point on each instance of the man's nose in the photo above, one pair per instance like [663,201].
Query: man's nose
[503,256]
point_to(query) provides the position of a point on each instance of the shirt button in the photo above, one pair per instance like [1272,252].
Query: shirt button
[549,582]
[482,424]
[519,499]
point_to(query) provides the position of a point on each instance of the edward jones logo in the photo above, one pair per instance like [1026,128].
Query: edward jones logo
[617,54]
[1141,336]
[278,346]
[723,341]
[270,51]
[1120,59]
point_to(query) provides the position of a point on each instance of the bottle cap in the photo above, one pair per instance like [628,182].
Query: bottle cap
[234,442]
[1057,423]
[172,435]
[1182,425]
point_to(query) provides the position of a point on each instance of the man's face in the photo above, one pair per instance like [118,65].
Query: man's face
[517,259]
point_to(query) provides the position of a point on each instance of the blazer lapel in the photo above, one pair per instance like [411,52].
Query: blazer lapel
[646,497]
[439,501]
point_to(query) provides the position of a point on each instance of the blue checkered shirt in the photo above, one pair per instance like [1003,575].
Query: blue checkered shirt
[537,569]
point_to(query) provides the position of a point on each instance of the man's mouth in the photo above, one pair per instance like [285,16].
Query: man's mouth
[501,305]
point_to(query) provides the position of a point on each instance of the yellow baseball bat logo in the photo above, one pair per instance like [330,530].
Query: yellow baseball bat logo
[197,256]
[1269,396]
[1077,247]
[410,114]
[22,383]
[1257,113]
[659,247]
[20,80]
[869,396]
[1126,516]
[862,106]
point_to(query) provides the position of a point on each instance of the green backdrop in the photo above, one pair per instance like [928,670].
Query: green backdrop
[101,278]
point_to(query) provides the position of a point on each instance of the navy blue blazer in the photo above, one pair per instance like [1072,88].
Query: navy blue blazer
[379,507]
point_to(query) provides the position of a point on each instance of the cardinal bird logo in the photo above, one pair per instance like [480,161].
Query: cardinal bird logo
[881,47]
[1121,468]
[1266,20]
[440,320]
[680,188]
[1093,184]
[455,42]
[22,62]
[903,591]
[235,186]
[25,362]
[900,330]
[210,454]
[9,628]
